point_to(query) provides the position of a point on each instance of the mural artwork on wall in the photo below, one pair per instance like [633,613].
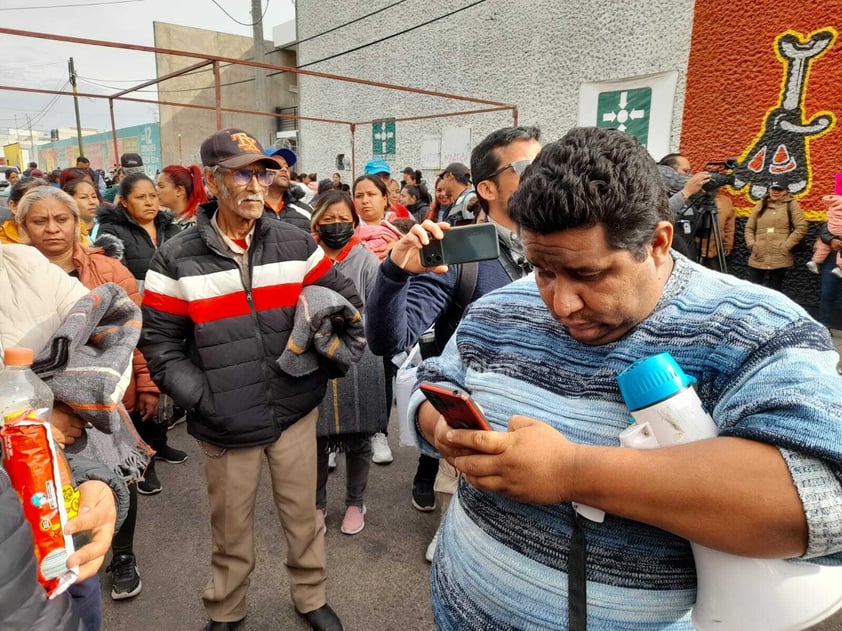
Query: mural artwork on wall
[782,147]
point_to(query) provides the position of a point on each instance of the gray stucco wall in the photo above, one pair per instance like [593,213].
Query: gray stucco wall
[531,53]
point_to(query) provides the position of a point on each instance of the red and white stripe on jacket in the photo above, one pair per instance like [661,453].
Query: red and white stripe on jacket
[218,295]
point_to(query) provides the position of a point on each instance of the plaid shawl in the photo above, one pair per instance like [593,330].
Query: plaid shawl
[326,327]
[99,334]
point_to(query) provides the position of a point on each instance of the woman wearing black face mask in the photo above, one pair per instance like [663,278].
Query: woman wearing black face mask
[354,407]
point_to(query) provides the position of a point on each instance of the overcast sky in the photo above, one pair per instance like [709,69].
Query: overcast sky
[38,63]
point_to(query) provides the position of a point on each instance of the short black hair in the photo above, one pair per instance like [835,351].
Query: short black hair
[83,160]
[670,160]
[593,176]
[484,160]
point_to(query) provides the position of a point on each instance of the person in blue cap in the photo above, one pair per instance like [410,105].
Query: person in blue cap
[381,168]
[283,200]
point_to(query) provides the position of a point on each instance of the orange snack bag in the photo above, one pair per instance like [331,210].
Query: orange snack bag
[33,463]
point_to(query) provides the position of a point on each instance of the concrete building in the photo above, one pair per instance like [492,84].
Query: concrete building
[703,78]
[534,54]
[182,128]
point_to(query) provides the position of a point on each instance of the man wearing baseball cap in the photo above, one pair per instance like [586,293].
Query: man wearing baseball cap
[457,182]
[217,313]
[282,200]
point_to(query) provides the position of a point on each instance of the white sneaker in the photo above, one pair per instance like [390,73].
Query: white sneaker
[431,549]
[813,267]
[380,452]
[837,271]
[331,461]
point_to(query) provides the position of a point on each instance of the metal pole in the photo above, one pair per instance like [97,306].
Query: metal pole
[353,153]
[258,55]
[32,154]
[218,95]
[72,69]
[114,131]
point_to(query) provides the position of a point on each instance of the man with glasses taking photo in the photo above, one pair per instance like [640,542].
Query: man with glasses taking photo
[217,313]
[408,299]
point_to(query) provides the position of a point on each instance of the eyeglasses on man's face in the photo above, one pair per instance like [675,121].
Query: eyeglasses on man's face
[242,177]
[518,166]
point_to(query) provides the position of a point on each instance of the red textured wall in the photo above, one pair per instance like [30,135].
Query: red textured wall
[736,86]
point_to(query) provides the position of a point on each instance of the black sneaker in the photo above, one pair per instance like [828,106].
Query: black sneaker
[151,484]
[168,454]
[125,579]
[423,495]
[179,415]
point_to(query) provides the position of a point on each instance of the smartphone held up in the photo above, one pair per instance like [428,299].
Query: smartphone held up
[476,242]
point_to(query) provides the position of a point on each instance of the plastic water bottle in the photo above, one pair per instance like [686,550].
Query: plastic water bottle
[20,388]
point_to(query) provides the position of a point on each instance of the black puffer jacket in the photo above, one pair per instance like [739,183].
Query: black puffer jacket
[139,247]
[235,326]
[294,211]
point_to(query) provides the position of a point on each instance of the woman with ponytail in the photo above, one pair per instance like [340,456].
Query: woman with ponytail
[181,189]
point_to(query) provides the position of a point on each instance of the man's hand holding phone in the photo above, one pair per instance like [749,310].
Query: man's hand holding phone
[406,253]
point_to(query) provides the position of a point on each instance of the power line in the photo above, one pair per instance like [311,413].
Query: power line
[388,37]
[221,8]
[336,28]
[69,6]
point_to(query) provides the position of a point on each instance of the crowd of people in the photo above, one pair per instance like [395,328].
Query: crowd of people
[273,308]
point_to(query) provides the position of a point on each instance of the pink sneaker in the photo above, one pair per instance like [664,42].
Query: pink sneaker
[354,520]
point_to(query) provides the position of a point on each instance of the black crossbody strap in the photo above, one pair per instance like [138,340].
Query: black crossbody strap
[577,590]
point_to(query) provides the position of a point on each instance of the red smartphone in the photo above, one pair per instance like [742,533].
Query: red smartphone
[455,406]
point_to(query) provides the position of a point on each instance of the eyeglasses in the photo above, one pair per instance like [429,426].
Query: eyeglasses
[242,177]
[518,166]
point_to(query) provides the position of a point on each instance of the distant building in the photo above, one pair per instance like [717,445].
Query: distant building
[184,128]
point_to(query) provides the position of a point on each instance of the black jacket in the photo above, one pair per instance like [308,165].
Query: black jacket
[294,211]
[212,342]
[139,247]
[418,210]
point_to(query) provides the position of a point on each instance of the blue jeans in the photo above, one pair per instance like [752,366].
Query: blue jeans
[831,291]
[87,602]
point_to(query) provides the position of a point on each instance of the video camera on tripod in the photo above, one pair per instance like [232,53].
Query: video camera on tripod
[699,218]
[721,174]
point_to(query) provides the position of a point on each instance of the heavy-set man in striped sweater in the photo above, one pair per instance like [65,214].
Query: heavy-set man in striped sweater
[217,313]
[541,356]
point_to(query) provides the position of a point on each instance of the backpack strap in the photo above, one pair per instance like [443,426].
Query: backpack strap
[463,291]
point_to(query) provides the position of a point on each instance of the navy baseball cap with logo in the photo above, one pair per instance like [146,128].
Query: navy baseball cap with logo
[287,154]
[234,148]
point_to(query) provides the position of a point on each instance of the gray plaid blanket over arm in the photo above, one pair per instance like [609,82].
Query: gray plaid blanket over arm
[327,332]
[101,331]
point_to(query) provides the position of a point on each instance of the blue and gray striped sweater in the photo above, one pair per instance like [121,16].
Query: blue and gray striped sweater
[765,369]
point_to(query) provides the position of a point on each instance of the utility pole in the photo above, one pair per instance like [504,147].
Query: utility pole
[258,54]
[32,155]
[72,70]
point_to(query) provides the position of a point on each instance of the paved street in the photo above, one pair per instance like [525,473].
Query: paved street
[377,580]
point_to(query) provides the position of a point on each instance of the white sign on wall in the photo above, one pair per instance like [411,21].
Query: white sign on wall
[456,145]
[628,104]
[430,153]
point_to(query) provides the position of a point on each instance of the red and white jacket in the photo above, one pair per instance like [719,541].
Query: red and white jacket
[212,332]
